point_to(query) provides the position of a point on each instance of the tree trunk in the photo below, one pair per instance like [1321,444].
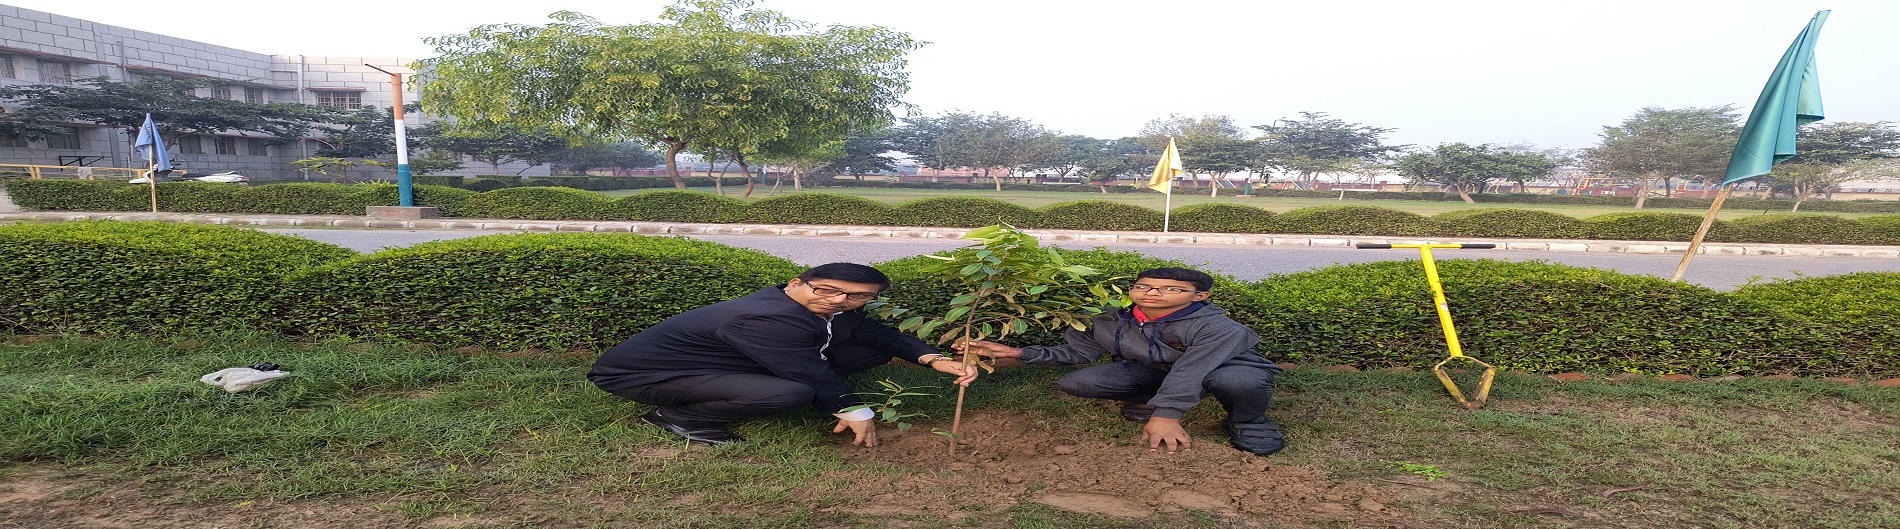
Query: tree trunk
[719,180]
[748,177]
[1797,204]
[993,179]
[673,148]
[1642,193]
[1463,194]
[798,183]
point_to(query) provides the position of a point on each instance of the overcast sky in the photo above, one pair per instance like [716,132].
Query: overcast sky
[1543,72]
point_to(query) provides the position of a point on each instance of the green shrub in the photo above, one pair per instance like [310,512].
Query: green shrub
[145,278]
[1882,229]
[545,182]
[506,292]
[446,180]
[202,197]
[1532,316]
[1646,226]
[677,206]
[1862,308]
[1786,228]
[309,198]
[449,200]
[818,208]
[1097,215]
[910,289]
[75,195]
[1223,218]
[542,203]
[1527,223]
[961,212]
[1355,220]
[483,185]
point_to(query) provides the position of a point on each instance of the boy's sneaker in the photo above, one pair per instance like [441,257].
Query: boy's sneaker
[1137,412]
[1258,438]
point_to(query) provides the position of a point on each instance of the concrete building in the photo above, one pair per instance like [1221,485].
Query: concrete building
[44,48]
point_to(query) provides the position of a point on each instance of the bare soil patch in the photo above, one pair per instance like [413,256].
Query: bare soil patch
[1005,457]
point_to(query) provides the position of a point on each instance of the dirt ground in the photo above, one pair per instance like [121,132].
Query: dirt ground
[1004,457]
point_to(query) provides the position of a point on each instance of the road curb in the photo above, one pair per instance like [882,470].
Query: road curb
[899,232]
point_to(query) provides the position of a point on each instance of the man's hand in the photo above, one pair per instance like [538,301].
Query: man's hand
[965,373]
[989,349]
[1167,432]
[866,430]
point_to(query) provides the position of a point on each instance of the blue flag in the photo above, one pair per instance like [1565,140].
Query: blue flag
[152,147]
[1791,99]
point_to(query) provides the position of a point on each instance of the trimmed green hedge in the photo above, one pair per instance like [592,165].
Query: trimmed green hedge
[1646,226]
[1796,229]
[1862,309]
[1224,218]
[677,206]
[1524,223]
[1882,229]
[818,208]
[1355,220]
[1098,215]
[145,278]
[1537,317]
[962,212]
[542,203]
[525,290]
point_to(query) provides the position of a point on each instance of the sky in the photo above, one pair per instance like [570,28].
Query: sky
[1542,72]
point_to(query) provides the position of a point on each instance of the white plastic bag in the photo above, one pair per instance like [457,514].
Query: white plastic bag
[238,379]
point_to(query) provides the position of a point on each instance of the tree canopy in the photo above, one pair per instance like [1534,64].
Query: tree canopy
[1467,169]
[1666,144]
[171,102]
[714,74]
[1316,144]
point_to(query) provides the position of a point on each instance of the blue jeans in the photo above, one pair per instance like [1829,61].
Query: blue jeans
[1244,391]
[712,400]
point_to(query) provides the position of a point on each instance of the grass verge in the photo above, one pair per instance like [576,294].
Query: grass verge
[402,435]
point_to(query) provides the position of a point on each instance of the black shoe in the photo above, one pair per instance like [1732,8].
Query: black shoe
[1258,438]
[1137,412]
[712,435]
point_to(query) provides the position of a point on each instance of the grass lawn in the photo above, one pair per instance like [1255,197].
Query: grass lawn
[120,433]
[1735,208]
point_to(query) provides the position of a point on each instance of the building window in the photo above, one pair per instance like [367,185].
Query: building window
[257,148]
[340,100]
[6,68]
[191,145]
[253,95]
[56,72]
[65,140]
[225,144]
[17,143]
[220,92]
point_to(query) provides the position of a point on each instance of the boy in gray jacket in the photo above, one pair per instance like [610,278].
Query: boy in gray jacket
[1170,349]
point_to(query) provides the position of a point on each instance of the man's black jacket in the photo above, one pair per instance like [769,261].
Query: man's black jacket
[764,333]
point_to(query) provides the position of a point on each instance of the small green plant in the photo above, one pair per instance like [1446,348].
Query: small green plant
[888,403]
[1431,473]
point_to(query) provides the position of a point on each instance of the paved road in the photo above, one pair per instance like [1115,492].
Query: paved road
[1723,272]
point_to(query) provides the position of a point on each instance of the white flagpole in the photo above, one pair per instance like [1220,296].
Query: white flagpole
[1167,207]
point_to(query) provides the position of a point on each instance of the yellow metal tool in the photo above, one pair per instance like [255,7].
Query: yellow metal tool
[1444,321]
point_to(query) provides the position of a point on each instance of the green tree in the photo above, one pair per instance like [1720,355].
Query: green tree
[1111,160]
[1066,155]
[979,142]
[501,145]
[579,159]
[1459,167]
[713,74]
[1317,144]
[864,153]
[1658,144]
[1840,143]
[1209,144]
[171,102]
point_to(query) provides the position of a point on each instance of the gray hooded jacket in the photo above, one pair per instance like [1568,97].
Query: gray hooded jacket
[1188,344]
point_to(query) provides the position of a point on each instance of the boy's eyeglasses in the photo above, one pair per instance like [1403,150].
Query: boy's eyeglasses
[826,292]
[1163,290]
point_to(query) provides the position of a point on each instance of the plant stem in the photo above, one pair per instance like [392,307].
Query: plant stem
[969,362]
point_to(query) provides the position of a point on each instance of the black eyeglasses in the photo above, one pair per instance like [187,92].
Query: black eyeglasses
[1163,290]
[826,292]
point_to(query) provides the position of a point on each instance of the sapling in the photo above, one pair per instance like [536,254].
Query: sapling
[1007,282]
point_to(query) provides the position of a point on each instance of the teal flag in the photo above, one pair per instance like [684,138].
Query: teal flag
[1791,99]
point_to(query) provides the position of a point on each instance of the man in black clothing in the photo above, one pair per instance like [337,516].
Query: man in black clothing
[775,350]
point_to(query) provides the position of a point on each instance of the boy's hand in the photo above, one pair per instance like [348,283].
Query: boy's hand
[965,373]
[1159,432]
[866,431]
[989,349]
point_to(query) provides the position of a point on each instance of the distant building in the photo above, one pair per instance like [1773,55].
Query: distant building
[44,48]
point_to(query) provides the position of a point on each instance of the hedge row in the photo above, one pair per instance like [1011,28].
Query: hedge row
[558,203]
[591,290]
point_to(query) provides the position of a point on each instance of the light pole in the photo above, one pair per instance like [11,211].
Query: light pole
[405,183]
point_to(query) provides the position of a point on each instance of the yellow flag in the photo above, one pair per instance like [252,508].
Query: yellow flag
[1165,170]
